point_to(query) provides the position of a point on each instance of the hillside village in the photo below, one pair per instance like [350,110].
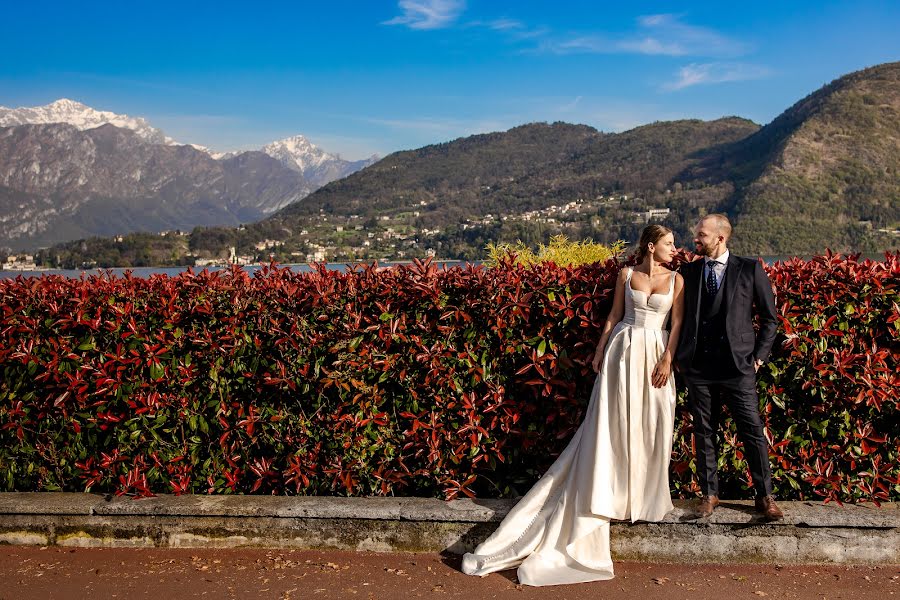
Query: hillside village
[389,237]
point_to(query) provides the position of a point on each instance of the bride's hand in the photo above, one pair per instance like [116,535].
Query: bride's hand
[598,359]
[662,370]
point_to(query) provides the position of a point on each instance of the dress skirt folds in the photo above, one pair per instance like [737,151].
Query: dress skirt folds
[615,467]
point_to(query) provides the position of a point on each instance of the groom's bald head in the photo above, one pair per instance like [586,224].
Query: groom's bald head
[718,223]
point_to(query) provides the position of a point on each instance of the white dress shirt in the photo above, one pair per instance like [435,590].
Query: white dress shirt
[718,266]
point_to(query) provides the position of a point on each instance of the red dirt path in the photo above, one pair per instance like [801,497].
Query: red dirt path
[169,574]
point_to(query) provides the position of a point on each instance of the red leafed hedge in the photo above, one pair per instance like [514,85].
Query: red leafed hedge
[410,381]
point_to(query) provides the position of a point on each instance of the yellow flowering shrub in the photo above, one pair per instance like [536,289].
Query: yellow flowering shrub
[561,251]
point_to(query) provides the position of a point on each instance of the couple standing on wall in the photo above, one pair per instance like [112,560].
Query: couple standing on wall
[617,464]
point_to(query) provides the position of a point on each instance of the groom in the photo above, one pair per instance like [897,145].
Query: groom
[719,354]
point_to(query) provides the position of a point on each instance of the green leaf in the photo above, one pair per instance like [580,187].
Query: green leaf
[157,370]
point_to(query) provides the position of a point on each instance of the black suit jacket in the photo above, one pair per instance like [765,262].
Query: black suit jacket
[746,286]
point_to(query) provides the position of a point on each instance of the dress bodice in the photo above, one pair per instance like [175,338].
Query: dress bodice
[647,311]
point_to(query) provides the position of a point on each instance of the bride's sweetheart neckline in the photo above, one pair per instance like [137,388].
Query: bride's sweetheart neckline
[651,294]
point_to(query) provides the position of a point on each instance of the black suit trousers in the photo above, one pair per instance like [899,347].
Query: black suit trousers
[705,399]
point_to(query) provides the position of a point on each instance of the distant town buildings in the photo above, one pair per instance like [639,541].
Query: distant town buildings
[329,238]
[654,214]
[317,255]
[23,263]
[267,244]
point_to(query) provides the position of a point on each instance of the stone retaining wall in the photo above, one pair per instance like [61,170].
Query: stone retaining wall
[811,532]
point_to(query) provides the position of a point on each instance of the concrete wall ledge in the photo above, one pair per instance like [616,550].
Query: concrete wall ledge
[812,532]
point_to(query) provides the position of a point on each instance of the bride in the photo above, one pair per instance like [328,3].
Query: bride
[617,464]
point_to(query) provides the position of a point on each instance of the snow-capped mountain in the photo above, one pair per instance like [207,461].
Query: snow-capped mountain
[318,167]
[59,183]
[82,117]
[298,152]
[69,171]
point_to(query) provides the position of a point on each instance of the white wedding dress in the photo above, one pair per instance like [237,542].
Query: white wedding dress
[615,467]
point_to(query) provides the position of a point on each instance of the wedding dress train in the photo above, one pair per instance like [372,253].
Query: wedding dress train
[615,467]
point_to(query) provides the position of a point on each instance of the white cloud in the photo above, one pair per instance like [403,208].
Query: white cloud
[584,44]
[570,106]
[650,45]
[653,20]
[655,35]
[716,72]
[668,34]
[428,14]
[512,30]
[505,24]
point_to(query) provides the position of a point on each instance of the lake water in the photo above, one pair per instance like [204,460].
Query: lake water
[298,268]
[172,271]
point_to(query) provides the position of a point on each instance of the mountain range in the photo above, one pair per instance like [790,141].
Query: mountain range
[68,171]
[824,173]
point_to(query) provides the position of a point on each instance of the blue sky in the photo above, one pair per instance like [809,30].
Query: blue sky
[377,76]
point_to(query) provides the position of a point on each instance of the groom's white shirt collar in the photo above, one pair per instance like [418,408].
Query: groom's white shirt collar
[723,259]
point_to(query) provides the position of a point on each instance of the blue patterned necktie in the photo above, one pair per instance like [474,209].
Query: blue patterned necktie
[712,285]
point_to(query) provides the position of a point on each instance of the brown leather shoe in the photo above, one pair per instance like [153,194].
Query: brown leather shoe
[707,505]
[766,505]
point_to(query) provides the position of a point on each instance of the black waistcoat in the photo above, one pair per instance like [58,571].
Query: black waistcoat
[712,357]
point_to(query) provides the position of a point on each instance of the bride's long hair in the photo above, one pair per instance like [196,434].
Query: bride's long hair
[650,235]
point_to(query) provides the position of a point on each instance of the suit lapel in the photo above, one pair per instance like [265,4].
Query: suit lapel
[731,277]
[697,285]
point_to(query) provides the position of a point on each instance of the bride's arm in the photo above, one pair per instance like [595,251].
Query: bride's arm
[612,319]
[664,365]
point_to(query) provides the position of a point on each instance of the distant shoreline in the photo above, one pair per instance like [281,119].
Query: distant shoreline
[172,271]
[297,267]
